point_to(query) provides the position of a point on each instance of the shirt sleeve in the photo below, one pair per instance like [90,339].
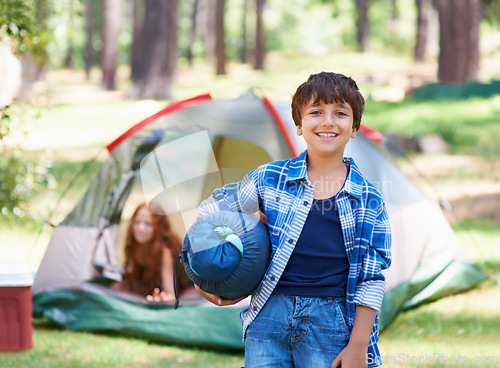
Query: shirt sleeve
[371,283]
[236,197]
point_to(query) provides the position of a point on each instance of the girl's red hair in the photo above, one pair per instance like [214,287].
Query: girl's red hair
[150,273]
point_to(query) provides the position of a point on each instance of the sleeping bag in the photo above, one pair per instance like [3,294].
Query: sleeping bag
[226,253]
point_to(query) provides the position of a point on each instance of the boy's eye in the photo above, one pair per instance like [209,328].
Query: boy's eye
[341,113]
[315,112]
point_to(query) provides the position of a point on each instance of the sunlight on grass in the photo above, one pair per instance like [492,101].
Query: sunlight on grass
[79,126]
[469,126]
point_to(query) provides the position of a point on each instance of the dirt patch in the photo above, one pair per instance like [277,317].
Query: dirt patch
[470,184]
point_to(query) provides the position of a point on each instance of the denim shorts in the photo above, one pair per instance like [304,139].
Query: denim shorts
[293,331]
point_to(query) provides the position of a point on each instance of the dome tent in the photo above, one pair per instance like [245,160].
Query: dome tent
[244,133]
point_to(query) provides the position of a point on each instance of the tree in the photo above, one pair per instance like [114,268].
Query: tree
[68,62]
[459,40]
[192,36]
[111,24]
[156,61]
[362,23]
[259,37]
[138,14]
[243,49]
[422,29]
[220,46]
[89,28]
[210,10]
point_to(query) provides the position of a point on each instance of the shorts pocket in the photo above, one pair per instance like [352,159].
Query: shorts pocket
[341,310]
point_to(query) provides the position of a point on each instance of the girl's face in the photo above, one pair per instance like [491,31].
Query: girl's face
[142,226]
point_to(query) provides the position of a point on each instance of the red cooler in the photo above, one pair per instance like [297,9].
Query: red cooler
[16,328]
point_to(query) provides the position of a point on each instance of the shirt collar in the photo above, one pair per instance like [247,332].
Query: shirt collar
[354,182]
[298,167]
[353,185]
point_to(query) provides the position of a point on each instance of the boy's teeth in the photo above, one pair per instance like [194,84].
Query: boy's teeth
[326,135]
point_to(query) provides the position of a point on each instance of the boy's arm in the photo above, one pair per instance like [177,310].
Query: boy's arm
[369,293]
[356,352]
[371,282]
[236,197]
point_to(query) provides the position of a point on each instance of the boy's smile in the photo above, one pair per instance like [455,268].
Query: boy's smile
[327,127]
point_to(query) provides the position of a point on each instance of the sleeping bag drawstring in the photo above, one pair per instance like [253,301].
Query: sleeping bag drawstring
[176,280]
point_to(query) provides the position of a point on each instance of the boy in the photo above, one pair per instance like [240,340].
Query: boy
[317,304]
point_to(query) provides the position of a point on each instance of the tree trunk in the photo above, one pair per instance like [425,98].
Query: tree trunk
[68,61]
[138,15]
[259,37]
[192,37]
[458,40]
[111,23]
[362,23]
[422,29]
[210,34]
[220,46]
[157,65]
[89,28]
[243,50]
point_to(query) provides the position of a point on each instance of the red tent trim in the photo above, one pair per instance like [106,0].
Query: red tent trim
[372,134]
[172,107]
[282,125]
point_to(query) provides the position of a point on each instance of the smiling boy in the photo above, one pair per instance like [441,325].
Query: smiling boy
[317,306]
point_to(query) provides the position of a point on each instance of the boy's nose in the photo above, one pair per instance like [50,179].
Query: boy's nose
[328,120]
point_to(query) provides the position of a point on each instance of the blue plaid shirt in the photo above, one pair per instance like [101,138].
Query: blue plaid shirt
[282,191]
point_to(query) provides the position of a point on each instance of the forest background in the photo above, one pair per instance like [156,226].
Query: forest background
[75,74]
[164,50]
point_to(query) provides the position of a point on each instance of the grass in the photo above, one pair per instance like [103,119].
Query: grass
[463,326]
[468,126]
[72,135]
[57,348]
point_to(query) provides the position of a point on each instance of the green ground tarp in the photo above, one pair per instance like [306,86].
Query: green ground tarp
[193,325]
[429,283]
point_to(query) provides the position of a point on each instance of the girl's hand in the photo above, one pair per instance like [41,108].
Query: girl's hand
[159,296]
[217,300]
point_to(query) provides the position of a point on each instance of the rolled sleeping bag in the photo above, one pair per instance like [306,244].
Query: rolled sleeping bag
[226,253]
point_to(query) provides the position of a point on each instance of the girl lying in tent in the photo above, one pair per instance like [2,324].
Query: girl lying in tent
[151,248]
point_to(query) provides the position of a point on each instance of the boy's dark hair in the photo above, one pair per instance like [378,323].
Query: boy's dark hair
[328,88]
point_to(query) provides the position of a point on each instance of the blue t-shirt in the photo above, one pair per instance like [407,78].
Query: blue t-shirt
[318,266]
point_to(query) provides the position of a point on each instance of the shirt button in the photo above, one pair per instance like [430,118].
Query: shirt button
[306,203]
[277,199]
[272,278]
[290,241]
[254,308]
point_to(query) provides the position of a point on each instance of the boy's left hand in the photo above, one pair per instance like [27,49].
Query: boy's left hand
[351,357]
[217,300]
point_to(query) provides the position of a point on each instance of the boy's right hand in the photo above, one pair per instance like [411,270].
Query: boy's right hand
[217,300]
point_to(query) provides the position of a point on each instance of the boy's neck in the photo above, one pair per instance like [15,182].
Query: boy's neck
[327,175]
[325,165]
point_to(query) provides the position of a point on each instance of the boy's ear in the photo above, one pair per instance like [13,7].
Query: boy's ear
[353,133]
[299,130]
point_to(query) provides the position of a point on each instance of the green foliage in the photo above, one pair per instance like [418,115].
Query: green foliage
[23,21]
[492,8]
[18,21]
[20,179]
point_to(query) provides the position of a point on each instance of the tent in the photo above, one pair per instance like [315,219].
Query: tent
[81,258]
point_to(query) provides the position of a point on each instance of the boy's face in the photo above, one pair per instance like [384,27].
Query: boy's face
[326,127]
